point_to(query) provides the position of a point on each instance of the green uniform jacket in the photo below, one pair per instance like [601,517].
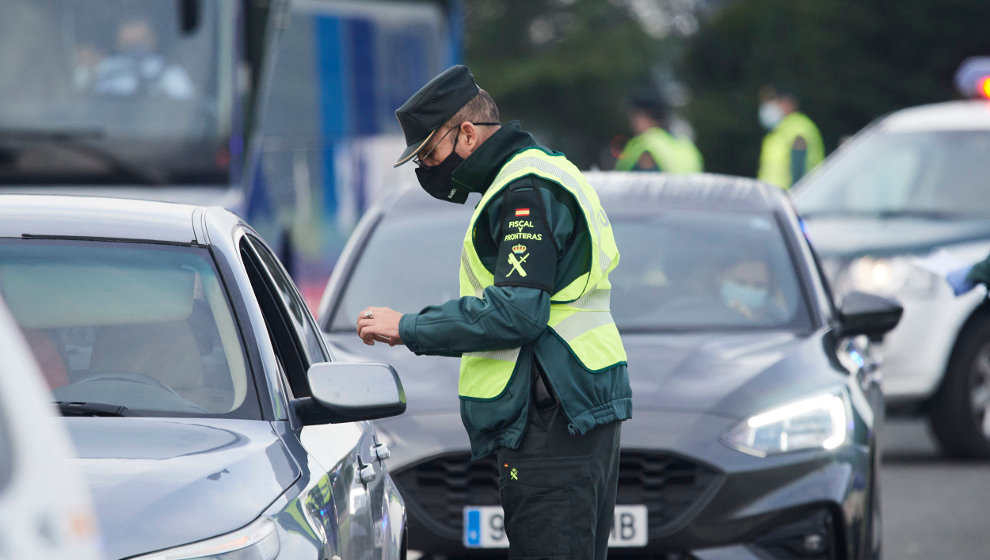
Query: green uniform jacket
[513,313]
[980,273]
[670,154]
[780,163]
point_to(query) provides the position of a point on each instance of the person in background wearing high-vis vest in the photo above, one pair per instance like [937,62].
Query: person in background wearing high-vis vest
[653,148]
[793,146]
[543,381]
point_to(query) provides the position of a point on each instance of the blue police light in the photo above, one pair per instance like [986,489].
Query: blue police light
[973,77]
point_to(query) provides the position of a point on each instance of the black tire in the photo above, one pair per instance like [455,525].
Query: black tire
[959,410]
[875,543]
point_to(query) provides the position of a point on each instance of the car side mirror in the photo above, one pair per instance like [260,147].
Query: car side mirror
[348,392]
[869,314]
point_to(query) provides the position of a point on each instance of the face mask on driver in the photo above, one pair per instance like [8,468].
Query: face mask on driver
[770,115]
[435,179]
[747,296]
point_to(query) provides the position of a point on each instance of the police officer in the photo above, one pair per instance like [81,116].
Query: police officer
[793,145]
[543,380]
[653,148]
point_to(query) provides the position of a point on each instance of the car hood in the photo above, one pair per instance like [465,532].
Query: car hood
[853,236]
[732,374]
[163,482]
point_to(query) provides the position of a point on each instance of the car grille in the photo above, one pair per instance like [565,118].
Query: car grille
[667,485]
[441,487]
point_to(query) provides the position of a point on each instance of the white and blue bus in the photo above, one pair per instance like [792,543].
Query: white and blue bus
[281,110]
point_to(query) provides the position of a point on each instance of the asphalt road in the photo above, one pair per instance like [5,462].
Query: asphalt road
[932,507]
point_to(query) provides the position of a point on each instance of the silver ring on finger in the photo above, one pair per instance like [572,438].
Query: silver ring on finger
[369,315]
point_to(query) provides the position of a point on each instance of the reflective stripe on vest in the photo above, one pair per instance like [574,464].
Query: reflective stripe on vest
[775,156]
[672,155]
[579,312]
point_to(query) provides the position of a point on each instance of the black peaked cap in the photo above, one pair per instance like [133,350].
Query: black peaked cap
[434,104]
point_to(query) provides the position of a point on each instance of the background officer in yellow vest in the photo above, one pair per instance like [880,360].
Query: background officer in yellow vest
[654,148]
[794,144]
[543,380]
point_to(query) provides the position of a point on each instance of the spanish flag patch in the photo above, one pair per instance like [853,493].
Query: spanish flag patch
[522,212]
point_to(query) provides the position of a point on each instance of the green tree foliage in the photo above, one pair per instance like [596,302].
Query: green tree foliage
[850,61]
[562,67]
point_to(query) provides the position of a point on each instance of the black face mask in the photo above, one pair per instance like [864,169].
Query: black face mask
[435,179]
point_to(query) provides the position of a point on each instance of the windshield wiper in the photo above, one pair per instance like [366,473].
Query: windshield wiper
[74,139]
[92,409]
[917,213]
[51,134]
[833,212]
[881,214]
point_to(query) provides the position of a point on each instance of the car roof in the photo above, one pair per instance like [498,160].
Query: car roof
[635,190]
[96,218]
[951,115]
[704,190]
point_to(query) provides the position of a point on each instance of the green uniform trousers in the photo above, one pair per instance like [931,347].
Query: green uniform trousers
[558,490]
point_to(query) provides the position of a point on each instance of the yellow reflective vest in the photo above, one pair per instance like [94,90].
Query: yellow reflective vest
[672,155]
[579,312]
[775,157]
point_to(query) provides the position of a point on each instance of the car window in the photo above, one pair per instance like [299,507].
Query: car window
[887,173]
[403,268]
[697,269]
[298,312]
[114,91]
[678,270]
[290,350]
[144,326]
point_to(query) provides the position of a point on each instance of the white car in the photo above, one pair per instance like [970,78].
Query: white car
[45,509]
[915,186]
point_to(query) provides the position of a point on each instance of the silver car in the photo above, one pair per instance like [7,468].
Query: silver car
[208,418]
[912,185]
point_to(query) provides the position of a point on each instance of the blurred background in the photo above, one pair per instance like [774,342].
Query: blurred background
[565,67]
[292,125]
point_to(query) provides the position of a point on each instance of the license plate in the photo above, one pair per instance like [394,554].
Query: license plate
[484,527]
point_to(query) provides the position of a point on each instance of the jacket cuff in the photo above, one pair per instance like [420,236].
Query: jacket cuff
[407,332]
[978,274]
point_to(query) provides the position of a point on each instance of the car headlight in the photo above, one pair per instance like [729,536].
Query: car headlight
[816,423]
[887,276]
[257,541]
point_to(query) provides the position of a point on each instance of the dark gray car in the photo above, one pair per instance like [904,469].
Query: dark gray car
[197,389]
[754,429]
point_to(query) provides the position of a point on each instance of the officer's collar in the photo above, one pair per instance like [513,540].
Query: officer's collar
[478,171]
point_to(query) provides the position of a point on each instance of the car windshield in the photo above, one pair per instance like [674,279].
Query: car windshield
[114,91]
[678,270]
[142,326]
[930,173]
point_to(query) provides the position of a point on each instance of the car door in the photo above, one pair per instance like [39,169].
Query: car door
[350,449]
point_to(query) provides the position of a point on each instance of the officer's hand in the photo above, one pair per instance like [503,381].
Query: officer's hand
[379,324]
[957,279]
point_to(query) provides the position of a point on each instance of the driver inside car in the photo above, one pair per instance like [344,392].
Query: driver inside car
[746,287]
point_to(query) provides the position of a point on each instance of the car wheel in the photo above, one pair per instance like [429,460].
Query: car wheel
[960,410]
